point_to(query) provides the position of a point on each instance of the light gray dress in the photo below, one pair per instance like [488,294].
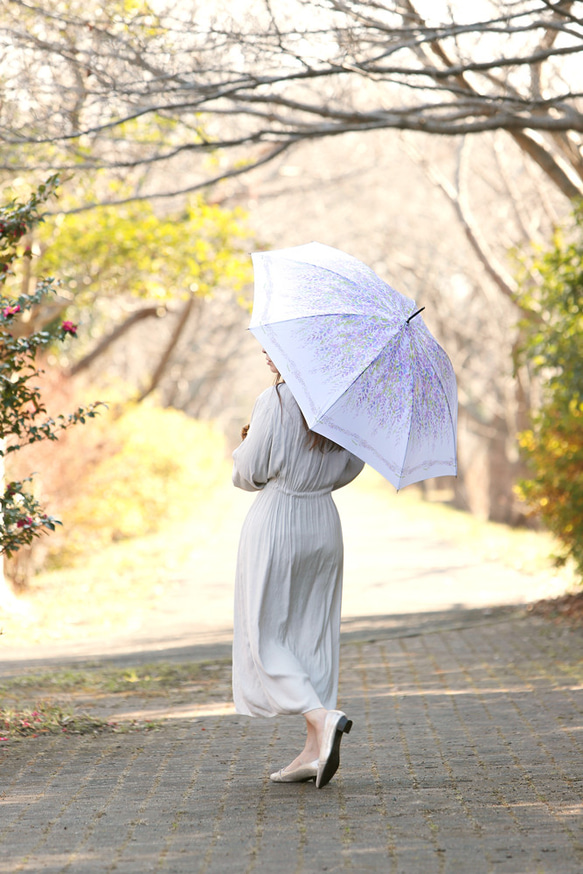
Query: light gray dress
[288,584]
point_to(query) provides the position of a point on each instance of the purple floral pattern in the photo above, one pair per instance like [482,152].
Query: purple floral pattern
[362,374]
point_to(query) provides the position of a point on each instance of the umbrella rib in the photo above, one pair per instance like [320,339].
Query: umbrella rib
[356,284]
[357,377]
[353,282]
[412,390]
[347,278]
[451,418]
[336,273]
[429,360]
[432,365]
[296,318]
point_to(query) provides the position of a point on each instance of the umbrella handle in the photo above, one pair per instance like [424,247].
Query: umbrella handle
[415,314]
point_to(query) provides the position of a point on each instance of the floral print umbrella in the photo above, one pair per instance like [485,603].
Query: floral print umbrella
[358,358]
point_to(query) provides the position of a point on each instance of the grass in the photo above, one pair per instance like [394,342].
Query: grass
[32,706]
[49,719]
[156,678]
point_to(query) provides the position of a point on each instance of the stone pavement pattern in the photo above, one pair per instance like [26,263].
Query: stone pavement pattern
[465,756]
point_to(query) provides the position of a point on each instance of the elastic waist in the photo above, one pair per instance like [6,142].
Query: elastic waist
[313,493]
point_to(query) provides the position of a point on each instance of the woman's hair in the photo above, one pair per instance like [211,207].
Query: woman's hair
[315,441]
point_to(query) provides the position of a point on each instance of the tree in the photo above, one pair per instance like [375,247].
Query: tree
[118,267]
[174,98]
[131,88]
[23,418]
[121,266]
[554,348]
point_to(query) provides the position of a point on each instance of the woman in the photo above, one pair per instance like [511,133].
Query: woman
[289,579]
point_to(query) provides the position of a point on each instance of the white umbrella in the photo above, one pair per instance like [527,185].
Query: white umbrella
[358,358]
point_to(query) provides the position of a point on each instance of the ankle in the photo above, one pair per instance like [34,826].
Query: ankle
[316,719]
[310,752]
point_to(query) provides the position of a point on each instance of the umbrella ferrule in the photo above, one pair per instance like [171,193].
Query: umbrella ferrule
[415,314]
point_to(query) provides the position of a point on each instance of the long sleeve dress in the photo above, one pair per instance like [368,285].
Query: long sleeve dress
[288,584]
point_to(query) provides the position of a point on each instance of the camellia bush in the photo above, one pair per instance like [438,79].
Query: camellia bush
[553,446]
[23,415]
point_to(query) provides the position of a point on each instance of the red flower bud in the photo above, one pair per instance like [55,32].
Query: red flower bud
[24,522]
[69,328]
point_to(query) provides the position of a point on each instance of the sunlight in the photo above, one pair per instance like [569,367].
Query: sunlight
[173,712]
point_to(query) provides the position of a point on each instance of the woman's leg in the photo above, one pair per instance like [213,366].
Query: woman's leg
[315,720]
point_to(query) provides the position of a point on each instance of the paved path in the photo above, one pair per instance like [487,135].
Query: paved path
[466,756]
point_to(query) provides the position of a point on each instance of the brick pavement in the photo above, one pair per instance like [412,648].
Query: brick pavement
[465,756]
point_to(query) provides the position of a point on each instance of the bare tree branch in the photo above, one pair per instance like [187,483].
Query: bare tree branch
[88,91]
[113,336]
[458,199]
[166,356]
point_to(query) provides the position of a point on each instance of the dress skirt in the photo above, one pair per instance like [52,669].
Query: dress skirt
[288,586]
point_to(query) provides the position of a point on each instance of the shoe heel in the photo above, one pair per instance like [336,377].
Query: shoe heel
[344,724]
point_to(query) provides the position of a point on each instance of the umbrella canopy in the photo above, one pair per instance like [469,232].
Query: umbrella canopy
[357,356]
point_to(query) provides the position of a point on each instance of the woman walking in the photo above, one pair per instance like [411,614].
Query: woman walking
[289,579]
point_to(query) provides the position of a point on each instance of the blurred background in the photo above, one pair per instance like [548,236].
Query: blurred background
[439,144]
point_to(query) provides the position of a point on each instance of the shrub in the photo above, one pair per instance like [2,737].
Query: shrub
[553,447]
[555,453]
[23,414]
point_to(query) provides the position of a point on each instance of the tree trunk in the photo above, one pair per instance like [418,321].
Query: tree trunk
[170,347]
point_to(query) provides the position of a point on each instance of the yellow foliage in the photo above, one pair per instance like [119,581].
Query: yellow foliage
[130,249]
[163,463]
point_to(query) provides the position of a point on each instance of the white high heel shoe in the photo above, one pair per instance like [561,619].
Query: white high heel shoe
[298,775]
[337,724]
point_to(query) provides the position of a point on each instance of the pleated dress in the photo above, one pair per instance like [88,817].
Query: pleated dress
[288,584]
